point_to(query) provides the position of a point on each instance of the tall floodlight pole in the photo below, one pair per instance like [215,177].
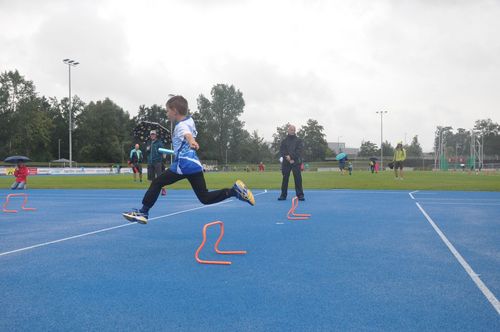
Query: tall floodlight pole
[381,137]
[339,150]
[70,63]
[482,150]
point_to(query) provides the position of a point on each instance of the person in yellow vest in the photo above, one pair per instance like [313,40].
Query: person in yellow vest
[399,158]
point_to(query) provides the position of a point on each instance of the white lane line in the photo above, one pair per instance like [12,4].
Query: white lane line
[461,199]
[427,193]
[115,227]
[62,240]
[358,191]
[37,199]
[462,203]
[413,192]
[473,275]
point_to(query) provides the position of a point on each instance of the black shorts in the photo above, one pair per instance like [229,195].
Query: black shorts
[155,170]
[398,164]
[137,168]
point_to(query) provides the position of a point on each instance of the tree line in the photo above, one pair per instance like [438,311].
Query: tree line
[457,143]
[37,126]
[369,149]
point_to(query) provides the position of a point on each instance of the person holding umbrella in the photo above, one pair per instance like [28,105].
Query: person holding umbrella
[155,158]
[342,159]
[21,173]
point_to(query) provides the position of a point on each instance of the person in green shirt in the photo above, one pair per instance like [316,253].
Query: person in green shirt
[135,160]
[399,158]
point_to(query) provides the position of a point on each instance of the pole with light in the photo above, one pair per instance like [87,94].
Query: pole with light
[70,63]
[339,150]
[381,138]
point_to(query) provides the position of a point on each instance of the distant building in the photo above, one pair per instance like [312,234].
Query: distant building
[340,147]
[336,146]
[351,151]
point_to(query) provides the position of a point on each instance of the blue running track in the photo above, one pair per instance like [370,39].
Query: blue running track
[365,261]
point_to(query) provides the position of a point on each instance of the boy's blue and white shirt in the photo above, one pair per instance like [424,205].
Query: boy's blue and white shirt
[182,128]
[186,161]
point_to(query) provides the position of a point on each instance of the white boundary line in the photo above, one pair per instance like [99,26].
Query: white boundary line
[413,192]
[462,199]
[62,240]
[473,275]
[462,203]
[115,227]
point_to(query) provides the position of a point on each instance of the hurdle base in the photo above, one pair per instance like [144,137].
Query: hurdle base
[216,246]
[23,206]
[291,215]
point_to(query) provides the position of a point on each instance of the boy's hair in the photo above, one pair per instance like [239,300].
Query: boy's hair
[179,103]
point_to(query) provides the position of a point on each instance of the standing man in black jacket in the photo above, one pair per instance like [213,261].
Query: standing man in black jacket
[291,152]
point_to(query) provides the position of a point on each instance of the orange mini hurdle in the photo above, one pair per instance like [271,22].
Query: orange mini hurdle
[291,215]
[23,206]
[216,246]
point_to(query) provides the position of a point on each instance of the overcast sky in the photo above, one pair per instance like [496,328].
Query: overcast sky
[426,63]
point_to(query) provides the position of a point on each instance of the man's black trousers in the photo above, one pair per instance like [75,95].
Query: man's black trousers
[286,168]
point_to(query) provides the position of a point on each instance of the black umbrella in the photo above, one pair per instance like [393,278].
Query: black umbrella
[374,159]
[142,130]
[15,159]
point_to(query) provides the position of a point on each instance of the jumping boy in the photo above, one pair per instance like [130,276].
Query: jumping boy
[183,139]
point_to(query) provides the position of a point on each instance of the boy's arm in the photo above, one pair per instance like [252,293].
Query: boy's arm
[192,142]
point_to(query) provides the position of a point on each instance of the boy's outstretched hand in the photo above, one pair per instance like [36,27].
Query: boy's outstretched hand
[194,145]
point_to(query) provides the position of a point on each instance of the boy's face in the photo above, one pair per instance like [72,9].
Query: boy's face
[172,114]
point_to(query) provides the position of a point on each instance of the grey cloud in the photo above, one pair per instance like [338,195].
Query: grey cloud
[273,97]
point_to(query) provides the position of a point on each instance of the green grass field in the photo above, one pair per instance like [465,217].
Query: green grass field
[272,180]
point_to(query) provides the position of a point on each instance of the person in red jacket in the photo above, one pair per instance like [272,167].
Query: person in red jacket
[21,174]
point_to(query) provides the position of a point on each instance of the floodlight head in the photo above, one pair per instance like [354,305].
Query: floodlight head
[75,63]
[65,60]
